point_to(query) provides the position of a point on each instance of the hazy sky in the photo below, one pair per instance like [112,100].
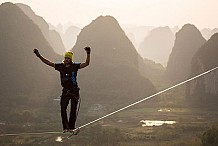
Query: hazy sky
[202,13]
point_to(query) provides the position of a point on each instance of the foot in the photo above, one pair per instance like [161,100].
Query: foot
[74,131]
[65,130]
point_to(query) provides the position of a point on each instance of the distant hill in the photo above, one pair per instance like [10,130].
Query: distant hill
[22,73]
[132,39]
[154,71]
[56,28]
[175,29]
[137,33]
[205,59]
[158,45]
[70,37]
[213,31]
[50,35]
[113,76]
[207,32]
[188,41]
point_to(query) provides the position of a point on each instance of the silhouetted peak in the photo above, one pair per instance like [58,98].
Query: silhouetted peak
[188,41]
[20,35]
[72,28]
[188,26]
[6,4]
[165,28]
[113,54]
[105,35]
[207,54]
[188,29]
[161,30]
[10,16]
[175,29]
[105,29]
[50,35]
[214,37]
[215,30]
[26,7]
[42,24]
[105,19]
[205,59]
[105,24]
[157,45]
[28,10]
[9,7]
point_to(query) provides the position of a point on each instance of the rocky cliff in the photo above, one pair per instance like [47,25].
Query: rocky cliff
[205,59]
[158,45]
[51,36]
[113,74]
[188,41]
[21,72]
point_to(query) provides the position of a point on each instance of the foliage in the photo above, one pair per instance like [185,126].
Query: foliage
[101,136]
[210,137]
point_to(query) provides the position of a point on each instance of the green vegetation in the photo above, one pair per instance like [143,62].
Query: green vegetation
[123,128]
[40,114]
[210,137]
[28,89]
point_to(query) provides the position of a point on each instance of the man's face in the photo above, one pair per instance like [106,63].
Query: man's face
[67,60]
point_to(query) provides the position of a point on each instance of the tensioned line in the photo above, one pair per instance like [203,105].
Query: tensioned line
[188,80]
[121,109]
[35,133]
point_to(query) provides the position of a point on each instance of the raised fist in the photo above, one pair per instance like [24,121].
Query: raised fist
[36,52]
[88,50]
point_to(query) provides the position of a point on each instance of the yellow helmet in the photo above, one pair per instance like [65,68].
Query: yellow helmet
[69,55]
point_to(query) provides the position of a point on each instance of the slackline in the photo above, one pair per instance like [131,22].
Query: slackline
[121,109]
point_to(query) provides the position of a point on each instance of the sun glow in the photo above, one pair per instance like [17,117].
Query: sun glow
[137,12]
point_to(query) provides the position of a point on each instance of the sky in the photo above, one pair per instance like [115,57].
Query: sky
[201,13]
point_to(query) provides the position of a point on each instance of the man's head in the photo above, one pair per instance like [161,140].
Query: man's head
[68,57]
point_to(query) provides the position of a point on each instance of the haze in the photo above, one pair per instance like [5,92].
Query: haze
[132,12]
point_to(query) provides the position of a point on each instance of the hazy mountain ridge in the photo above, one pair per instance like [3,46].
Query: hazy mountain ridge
[51,35]
[137,33]
[207,32]
[188,41]
[111,82]
[112,49]
[22,73]
[158,45]
[70,36]
[205,59]
[114,62]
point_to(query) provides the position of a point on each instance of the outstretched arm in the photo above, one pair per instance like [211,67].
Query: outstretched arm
[46,61]
[86,63]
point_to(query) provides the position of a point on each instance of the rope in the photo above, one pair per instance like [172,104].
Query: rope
[121,109]
[36,133]
[137,102]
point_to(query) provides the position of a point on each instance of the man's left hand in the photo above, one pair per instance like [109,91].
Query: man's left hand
[88,50]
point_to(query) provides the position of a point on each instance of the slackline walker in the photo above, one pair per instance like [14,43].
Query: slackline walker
[68,70]
[121,109]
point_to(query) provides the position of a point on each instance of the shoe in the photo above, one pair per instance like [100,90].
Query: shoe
[71,130]
[65,130]
[74,131]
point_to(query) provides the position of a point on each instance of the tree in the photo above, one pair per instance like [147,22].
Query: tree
[210,137]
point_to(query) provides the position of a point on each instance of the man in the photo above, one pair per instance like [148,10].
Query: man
[70,92]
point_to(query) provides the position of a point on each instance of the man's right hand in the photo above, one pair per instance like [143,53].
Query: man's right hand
[36,52]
